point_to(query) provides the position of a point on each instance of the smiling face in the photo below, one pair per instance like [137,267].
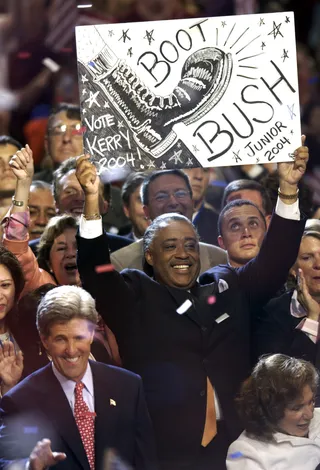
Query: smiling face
[69,344]
[42,208]
[309,261]
[169,193]
[174,255]
[71,196]
[7,291]
[136,213]
[64,138]
[298,414]
[62,258]
[243,230]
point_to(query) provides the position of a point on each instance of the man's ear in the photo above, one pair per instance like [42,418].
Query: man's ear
[220,241]
[146,212]
[149,258]
[44,341]
[268,218]
[125,210]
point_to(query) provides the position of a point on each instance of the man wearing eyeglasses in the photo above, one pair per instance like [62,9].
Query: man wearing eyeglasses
[63,138]
[164,192]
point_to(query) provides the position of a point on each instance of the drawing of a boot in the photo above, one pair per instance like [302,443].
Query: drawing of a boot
[205,77]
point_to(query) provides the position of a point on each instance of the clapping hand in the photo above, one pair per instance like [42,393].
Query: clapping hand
[42,456]
[310,305]
[11,366]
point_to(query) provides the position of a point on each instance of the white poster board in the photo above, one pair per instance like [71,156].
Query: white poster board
[187,93]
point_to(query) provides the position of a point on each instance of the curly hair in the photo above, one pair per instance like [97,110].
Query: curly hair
[276,381]
[55,227]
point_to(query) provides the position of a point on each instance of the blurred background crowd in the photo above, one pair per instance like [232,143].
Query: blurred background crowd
[31,30]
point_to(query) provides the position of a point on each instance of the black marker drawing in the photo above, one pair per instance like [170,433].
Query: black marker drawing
[187,93]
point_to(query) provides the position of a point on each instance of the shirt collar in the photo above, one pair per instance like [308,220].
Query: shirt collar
[296,309]
[69,385]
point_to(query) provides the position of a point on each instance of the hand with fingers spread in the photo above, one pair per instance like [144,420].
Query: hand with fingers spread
[11,366]
[310,305]
[88,178]
[42,456]
[291,173]
[22,164]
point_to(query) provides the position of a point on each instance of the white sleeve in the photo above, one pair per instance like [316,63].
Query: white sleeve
[243,456]
[90,228]
[288,211]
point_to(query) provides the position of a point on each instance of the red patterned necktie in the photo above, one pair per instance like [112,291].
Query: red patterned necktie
[85,422]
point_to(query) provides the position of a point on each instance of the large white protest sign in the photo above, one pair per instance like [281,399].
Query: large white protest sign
[186,93]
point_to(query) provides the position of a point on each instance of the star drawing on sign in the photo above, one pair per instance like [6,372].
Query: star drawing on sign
[291,132]
[149,36]
[236,156]
[189,162]
[223,24]
[84,111]
[287,19]
[120,124]
[276,30]
[151,164]
[106,105]
[284,55]
[84,91]
[291,111]
[261,22]
[84,78]
[111,33]
[195,148]
[258,160]
[125,35]
[179,145]
[163,165]
[263,44]
[130,53]
[176,157]
[93,99]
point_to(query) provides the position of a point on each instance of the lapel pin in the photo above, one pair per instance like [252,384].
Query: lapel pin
[222,318]
[113,402]
[184,307]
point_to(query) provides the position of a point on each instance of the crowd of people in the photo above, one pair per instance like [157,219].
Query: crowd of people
[157,320]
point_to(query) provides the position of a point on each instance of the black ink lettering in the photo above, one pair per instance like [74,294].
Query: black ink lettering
[265,140]
[279,145]
[282,78]
[189,38]
[235,129]
[274,131]
[218,132]
[280,126]
[269,155]
[258,144]
[198,25]
[156,62]
[250,148]
[257,102]
[175,49]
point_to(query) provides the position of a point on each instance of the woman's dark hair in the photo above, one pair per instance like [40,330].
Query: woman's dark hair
[276,381]
[10,261]
[55,227]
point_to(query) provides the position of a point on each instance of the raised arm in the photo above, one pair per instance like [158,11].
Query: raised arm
[263,276]
[114,298]
[16,236]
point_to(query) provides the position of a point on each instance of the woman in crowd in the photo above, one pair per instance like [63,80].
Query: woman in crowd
[11,286]
[56,261]
[282,427]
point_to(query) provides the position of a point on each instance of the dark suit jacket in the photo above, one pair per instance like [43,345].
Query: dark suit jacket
[38,408]
[277,332]
[115,243]
[206,223]
[175,353]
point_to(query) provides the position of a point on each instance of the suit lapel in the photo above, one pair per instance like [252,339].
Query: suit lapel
[60,414]
[105,408]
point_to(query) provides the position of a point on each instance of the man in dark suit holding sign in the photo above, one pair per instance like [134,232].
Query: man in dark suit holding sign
[189,343]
